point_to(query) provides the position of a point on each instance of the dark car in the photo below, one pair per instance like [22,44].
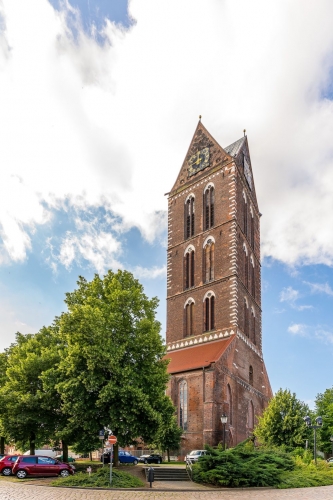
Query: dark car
[151,459]
[123,456]
[61,458]
[37,465]
[6,464]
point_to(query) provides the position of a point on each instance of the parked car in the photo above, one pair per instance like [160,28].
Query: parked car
[330,460]
[1,456]
[151,459]
[36,465]
[60,458]
[194,455]
[123,456]
[6,464]
[44,453]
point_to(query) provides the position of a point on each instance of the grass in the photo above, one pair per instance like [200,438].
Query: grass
[101,479]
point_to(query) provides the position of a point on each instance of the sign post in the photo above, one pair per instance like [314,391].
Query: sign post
[112,440]
[101,437]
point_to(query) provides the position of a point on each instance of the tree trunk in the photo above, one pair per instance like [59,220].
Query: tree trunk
[2,445]
[90,456]
[115,455]
[64,451]
[168,452]
[32,439]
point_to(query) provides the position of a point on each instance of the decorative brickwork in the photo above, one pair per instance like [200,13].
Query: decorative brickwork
[214,293]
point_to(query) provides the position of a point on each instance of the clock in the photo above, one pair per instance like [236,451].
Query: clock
[198,161]
[247,173]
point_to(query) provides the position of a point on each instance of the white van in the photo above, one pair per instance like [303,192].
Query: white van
[43,453]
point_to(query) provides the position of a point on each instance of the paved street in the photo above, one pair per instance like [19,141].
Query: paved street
[15,491]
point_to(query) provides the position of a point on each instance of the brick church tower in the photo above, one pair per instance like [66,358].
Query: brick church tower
[214,338]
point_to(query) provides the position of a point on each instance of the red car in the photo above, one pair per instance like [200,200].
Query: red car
[6,464]
[37,465]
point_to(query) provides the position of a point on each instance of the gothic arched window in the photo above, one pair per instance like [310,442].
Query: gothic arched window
[189,217]
[252,227]
[246,318]
[253,279]
[253,318]
[246,267]
[209,201]
[229,401]
[208,258]
[244,214]
[189,267]
[250,416]
[209,311]
[183,405]
[250,375]
[189,315]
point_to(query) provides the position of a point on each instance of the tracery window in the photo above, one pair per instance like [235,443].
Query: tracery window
[209,207]
[250,375]
[244,214]
[208,258]
[189,315]
[246,267]
[250,416]
[253,281]
[189,267]
[183,405]
[189,217]
[209,311]
[246,318]
[253,318]
[252,227]
[229,401]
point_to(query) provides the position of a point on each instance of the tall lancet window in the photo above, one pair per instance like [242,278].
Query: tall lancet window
[189,317]
[209,206]
[208,260]
[189,217]
[189,267]
[183,405]
[209,311]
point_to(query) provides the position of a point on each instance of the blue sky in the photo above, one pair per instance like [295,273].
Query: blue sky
[99,101]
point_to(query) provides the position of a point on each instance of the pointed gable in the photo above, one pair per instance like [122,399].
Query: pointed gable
[201,142]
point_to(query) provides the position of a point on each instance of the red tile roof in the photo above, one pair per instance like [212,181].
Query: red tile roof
[198,356]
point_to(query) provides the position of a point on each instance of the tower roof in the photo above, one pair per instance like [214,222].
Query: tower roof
[235,147]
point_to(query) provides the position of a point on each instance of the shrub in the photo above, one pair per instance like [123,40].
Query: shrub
[242,466]
[100,479]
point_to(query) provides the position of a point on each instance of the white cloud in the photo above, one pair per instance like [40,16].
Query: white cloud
[290,296]
[320,288]
[324,335]
[151,273]
[298,329]
[109,125]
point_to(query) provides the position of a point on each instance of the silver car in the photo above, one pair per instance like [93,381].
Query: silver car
[194,455]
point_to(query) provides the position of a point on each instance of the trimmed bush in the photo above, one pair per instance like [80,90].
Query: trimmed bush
[100,479]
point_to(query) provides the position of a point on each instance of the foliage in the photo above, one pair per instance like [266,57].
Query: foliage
[168,436]
[242,466]
[281,424]
[324,408]
[100,479]
[306,475]
[28,414]
[112,370]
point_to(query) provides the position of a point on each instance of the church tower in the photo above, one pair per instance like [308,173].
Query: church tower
[214,334]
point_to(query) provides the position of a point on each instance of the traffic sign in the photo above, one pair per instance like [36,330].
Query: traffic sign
[112,439]
[101,434]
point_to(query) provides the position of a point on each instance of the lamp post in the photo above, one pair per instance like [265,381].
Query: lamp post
[224,420]
[331,439]
[319,424]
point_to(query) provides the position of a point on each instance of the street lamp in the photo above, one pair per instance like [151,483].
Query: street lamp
[331,439]
[319,424]
[224,420]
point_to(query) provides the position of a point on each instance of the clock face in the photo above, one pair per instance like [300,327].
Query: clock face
[198,161]
[247,173]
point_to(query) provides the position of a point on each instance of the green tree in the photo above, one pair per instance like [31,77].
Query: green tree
[28,414]
[324,408]
[281,424]
[168,436]
[112,371]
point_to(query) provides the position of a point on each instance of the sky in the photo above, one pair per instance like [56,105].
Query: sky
[99,100]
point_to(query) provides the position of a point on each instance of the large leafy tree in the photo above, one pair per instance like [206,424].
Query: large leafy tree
[28,413]
[168,436]
[112,370]
[282,424]
[324,408]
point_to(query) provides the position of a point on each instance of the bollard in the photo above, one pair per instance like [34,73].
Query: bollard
[89,470]
[151,476]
